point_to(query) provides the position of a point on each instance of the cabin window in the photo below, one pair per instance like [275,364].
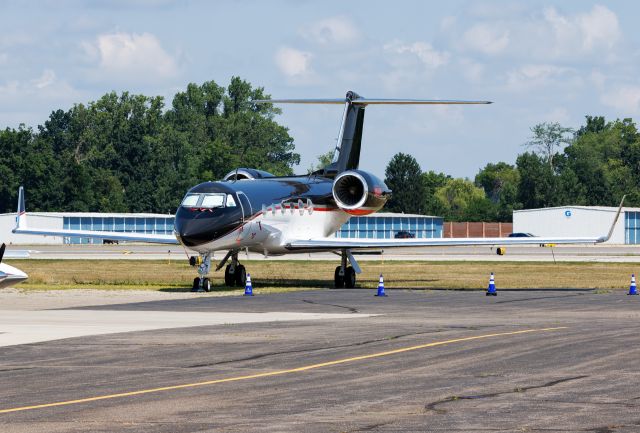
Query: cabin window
[191,200]
[230,201]
[210,201]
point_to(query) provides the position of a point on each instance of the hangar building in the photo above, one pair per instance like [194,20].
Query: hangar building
[379,225]
[580,221]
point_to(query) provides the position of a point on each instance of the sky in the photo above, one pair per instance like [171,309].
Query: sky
[538,61]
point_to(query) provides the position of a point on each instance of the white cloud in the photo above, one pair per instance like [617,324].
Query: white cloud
[543,35]
[334,30]
[293,63]
[29,94]
[47,78]
[534,75]
[625,99]
[131,56]
[423,51]
[486,39]
[595,29]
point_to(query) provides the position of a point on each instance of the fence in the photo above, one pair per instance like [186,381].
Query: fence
[476,230]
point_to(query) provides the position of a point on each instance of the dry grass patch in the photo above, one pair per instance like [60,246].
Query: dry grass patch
[276,275]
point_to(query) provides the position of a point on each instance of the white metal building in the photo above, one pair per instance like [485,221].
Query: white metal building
[580,221]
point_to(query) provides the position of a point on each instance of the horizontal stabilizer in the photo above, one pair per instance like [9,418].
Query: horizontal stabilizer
[370,101]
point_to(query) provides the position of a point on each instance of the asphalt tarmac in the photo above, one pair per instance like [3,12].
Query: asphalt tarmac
[450,361]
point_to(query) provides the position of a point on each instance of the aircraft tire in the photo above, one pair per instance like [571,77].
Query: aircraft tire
[338,280]
[206,285]
[196,284]
[349,278]
[229,278]
[241,276]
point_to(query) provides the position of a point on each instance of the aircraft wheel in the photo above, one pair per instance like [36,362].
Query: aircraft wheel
[206,285]
[241,276]
[196,284]
[350,278]
[229,278]
[338,279]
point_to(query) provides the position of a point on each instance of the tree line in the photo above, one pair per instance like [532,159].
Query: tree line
[594,165]
[130,153]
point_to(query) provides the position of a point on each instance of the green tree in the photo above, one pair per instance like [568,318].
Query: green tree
[404,177]
[322,161]
[461,200]
[432,181]
[548,138]
[500,183]
[537,185]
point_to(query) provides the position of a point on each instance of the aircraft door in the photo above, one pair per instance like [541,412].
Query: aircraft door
[247,213]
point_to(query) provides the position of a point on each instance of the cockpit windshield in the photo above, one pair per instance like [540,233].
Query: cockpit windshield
[208,201]
[191,200]
[212,200]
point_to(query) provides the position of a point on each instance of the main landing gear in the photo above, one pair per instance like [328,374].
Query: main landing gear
[235,274]
[345,276]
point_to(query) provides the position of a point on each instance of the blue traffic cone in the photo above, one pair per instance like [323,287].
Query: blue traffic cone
[632,288]
[381,287]
[248,288]
[491,290]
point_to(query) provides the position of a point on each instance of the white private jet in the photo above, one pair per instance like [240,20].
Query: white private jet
[10,276]
[254,210]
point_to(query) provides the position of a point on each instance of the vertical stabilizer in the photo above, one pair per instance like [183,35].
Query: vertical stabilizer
[21,214]
[347,153]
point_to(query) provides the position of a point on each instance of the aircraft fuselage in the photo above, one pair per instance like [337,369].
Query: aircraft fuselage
[265,214]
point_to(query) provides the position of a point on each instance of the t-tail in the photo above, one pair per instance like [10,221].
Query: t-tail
[346,155]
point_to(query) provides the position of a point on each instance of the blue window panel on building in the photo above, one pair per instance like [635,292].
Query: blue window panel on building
[371,227]
[632,227]
[74,223]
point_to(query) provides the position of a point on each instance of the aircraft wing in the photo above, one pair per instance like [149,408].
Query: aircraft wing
[115,236]
[22,228]
[354,244]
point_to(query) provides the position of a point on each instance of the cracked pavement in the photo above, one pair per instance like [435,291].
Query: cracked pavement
[581,378]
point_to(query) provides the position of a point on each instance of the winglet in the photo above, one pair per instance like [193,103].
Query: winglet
[613,225]
[21,214]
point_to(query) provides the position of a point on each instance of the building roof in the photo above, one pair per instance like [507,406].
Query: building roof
[393,214]
[591,208]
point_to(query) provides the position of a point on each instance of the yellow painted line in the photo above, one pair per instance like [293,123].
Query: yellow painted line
[273,373]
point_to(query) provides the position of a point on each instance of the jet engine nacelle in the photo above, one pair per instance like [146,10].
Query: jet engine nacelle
[359,193]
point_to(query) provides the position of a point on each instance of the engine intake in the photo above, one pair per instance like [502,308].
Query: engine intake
[359,192]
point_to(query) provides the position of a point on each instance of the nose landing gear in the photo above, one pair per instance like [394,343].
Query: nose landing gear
[203,262]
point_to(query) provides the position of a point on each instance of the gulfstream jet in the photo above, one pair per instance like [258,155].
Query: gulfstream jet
[254,210]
